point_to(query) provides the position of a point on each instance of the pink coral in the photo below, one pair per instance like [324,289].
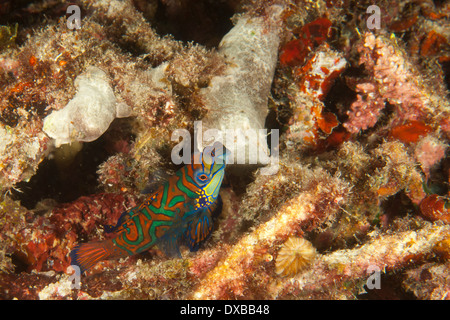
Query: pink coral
[429,151]
[392,79]
[366,110]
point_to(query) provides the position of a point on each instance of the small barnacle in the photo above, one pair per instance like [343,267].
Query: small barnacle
[295,254]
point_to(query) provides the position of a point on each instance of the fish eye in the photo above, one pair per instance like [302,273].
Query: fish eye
[201,177]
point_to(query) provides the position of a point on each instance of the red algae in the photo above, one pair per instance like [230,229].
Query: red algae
[293,53]
[310,35]
[46,241]
[432,43]
[337,137]
[327,122]
[436,207]
[410,132]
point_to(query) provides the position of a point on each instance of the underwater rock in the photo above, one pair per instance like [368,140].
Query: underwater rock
[12,219]
[43,241]
[88,115]
[21,150]
[342,273]
[311,204]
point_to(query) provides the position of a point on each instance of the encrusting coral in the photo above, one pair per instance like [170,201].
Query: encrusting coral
[358,207]
[396,81]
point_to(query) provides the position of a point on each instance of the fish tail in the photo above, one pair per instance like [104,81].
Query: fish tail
[86,255]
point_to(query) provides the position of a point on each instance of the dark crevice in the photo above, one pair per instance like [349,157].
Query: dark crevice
[437,180]
[446,70]
[64,184]
[31,14]
[341,95]
[398,206]
[201,21]
[388,287]
[339,98]
[67,181]
[19,262]
[273,122]
[438,3]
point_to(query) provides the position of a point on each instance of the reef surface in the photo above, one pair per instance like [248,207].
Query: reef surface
[350,101]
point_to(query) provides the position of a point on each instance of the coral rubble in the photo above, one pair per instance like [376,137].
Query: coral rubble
[359,207]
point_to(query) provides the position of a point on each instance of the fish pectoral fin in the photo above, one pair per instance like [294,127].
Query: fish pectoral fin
[191,206]
[198,229]
[124,217]
[111,229]
[216,207]
[169,244]
[155,180]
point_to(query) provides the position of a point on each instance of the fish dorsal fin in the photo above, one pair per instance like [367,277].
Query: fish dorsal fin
[123,217]
[155,180]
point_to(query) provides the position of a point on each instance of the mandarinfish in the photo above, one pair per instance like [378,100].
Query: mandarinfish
[179,211]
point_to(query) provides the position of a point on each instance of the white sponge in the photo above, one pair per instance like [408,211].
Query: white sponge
[88,115]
